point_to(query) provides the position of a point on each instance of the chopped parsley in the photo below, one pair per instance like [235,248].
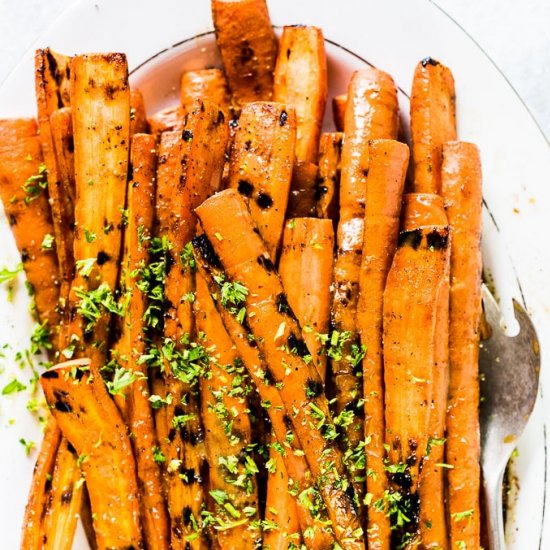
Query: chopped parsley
[47,242]
[35,184]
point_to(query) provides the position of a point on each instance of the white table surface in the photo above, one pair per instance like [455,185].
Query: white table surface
[513,34]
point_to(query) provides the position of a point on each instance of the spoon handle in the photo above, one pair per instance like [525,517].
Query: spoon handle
[492,487]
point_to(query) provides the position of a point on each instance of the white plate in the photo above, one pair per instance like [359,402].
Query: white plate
[392,35]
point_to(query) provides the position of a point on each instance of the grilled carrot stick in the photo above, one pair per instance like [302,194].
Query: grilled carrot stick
[281,508]
[242,254]
[166,120]
[432,122]
[371,113]
[228,431]
[209,84]
[61,123]
[339,111]
[305,90]
[306,273]
[423,210]
[201,156]
[385,183]
[303,189]
[411,300]
[461,189]
[133,401]
[328,179]
[92,424]
[289,447]
[261,164]
[138,118]
[23,192]
[52,83]
[247,46]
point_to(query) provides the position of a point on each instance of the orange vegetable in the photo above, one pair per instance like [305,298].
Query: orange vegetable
[138,118]
[209,84]
[339,111]
[328,179]
[385,183]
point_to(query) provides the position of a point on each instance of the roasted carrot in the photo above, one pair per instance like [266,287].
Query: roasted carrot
[61,123]
[209,84]
[63,509]
[228,432]
[461,189]
[432,122]
[313,522]
[306,273]
[371,113]
[133,400]
[92,424]
[423,210]
[328,178]
[24,196]
[281,508]
[303,191]
[52,85]
[138,118]
[247,46]
[411,299]
[385,183]
[339,111]
[262,157]
[166,120]
[242,254]
[300,81]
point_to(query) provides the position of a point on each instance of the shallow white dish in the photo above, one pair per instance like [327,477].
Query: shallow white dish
[392,35]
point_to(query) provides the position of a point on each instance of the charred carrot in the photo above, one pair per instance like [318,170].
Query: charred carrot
[461,189]
[23,190]
[306,273]
[92,424]
[411,300]
[328,179]
[133,400]
[423,210]
[228,432]
[304,90]
[339,111]
[432,122]
[371,113]
[209,84]
[278,337]
[247,46]
[312,520]
[385,183]
[261,164]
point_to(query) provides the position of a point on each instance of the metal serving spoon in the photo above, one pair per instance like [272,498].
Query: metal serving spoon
[509,369]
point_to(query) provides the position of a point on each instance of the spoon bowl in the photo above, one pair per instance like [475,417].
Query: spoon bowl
[509,372]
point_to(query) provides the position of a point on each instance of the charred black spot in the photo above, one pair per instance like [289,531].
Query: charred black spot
[70,144]
[247,144]
[320,190]
[365,172]
[429,61]
[264,201]
[247,53]
[190,435]
[102,257]
[221,118]
[283,118]
[171,434]
[66,497]
[282,304]
[71,449]
[350,492]
[206,250]
[402,479]
[187,546]
[187,135]
[52,66]
[50,374]
[162,159]
[436,240]
[12,219]
[288,421]
[130,171]
[288,52]
[60,404]
[110,91]
[411,238]
[245,188]
[48,485]
[177,528]
[297,345]
[234,123]
[314,387]
[268,376]
[189,476]
[78,374]
[24,255]
[266,263]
